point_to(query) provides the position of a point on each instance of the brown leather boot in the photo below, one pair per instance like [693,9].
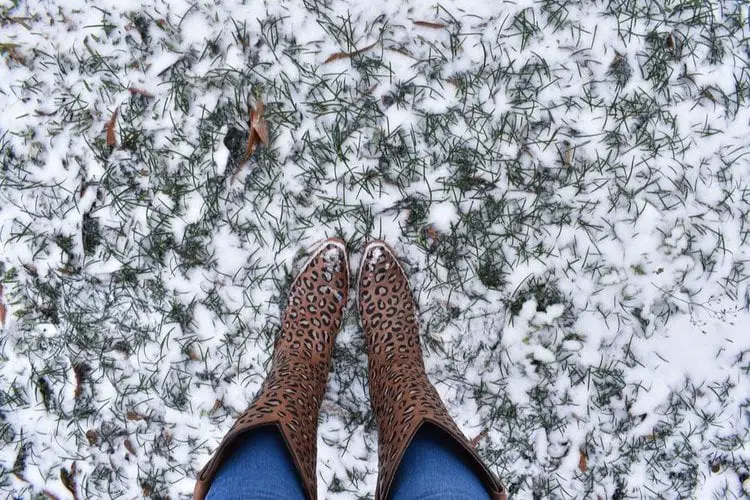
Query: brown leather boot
[402,397]
[291,395]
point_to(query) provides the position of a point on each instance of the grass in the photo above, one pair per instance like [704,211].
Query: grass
[145,282]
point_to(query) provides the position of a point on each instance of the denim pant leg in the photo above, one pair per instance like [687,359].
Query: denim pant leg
[436,468]
[260,468]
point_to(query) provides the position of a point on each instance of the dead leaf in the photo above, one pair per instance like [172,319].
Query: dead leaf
[147,489]
[567,153]
[258,134]
[137,91]
[79,371]
[3,310]
[217,404]
[258,130]
[670,42]
[111,139]
[708,94]
[134,415]
[193,353]
[129,447]
[431,233]
[92,436]
[428,24]
[258,122]
[583,462]
[474,442]
[343,55]
[69,480]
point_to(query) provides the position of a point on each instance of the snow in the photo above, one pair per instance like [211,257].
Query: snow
[578,246]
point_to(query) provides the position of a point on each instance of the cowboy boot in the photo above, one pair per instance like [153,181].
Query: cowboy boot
[291,395]
[402,397]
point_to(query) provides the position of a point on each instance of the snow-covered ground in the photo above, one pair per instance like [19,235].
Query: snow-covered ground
[568,183]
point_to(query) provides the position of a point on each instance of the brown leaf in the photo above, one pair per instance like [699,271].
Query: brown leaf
[69,480]
[583,462]
[134,415]
[428,24]
[567,153]
[670,42]
[137,91]
[432,234]
[92,436]
[111,139]
[3,310]
[217,404]
[257,134]
[258,122]
[79,371]
[343,55]
[193,354]
[147,489]
[474,442]
[129,447]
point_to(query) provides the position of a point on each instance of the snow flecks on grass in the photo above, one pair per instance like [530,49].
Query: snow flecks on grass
[567,183]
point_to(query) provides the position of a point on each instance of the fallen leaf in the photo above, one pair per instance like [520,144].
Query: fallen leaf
[258,122]
[567,153]
[69,480]
[253,137]
[129,447]
[217,404]
[343,55]
[79,371]
[3,310]
[258,134]
[708,94]
[474,442]
[92,436]
[137,91]
[431,233]
[583,462]
[146,488]
[111,129]
[670,42]
[428,24]
[134,415]
[193,353]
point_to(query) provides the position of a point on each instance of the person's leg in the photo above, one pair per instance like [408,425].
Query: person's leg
[434,467]
[289,399]
[259,468]
[402,397]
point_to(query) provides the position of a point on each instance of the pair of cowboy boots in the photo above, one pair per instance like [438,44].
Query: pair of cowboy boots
[402,397]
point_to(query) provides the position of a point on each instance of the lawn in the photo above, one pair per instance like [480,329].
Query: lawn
[568,183]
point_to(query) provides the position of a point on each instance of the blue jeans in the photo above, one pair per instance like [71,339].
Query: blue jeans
[261,468]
